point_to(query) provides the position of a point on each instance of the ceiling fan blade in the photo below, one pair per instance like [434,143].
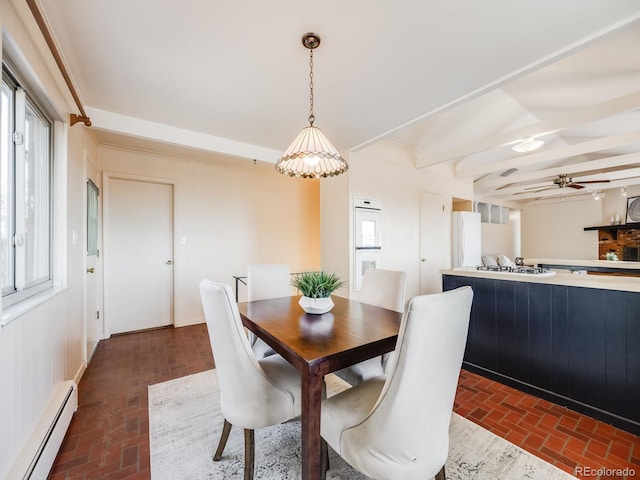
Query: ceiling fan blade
[575,185]
[595,181]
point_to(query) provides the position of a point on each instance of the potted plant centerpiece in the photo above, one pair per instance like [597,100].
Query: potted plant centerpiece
[316,289]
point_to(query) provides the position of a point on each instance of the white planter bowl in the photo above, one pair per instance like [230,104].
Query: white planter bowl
[316,306]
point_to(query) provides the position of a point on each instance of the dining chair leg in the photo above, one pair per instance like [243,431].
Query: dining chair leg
[441,475]
[249,454]
[324,450]
[223,440]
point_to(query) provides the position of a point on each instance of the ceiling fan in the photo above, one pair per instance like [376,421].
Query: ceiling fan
[564,181]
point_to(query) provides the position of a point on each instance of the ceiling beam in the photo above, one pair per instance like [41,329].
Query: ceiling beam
[570,192]
[125,125]
[592,165]
[560,122]
[579,194]
[551,155]
[623,177]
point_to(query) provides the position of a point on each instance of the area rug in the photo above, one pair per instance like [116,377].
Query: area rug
[185,424]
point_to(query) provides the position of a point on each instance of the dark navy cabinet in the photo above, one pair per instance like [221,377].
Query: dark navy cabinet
[578,347]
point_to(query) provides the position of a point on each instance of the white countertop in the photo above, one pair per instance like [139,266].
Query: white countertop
[582,263]
[607,282]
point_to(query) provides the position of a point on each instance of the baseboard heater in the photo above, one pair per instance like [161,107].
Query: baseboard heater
[39,453]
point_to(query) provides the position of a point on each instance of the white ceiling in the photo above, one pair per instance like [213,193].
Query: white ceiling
[458,81]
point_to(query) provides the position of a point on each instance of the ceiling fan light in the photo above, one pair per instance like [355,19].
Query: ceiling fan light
[527,145]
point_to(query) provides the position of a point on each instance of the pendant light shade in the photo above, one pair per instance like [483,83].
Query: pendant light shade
[311,154]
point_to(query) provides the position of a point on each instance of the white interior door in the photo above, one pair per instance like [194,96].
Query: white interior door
[139,255]
[93,322]
[431,242]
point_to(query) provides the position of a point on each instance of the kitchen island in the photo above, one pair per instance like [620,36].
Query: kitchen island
[572,339]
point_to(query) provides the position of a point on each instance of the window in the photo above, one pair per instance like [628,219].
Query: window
[483,210]
[25,192]
[490,213]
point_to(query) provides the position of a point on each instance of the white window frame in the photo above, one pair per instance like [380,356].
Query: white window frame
[20,289]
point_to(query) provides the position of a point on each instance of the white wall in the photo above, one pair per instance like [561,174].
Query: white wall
[335,232]
[385,172]
[497,239]
[556,230]
[614,203]
[33,353]
[230,216]
[44,345]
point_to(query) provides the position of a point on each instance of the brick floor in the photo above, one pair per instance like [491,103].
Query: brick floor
[573,442]
[109,435]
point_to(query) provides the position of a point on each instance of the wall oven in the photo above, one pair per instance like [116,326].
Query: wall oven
[367,237]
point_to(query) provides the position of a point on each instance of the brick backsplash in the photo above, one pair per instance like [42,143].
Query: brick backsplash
[625,238]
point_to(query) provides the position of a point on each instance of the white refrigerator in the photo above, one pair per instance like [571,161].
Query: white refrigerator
[466,236]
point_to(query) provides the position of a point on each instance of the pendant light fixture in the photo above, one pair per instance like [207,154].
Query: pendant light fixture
[311,155]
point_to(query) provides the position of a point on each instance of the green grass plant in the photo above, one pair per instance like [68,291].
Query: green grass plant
[317,284]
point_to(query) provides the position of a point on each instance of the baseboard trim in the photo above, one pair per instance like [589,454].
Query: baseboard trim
[80,373]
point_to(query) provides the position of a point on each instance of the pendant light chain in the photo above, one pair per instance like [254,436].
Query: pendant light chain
[311,116]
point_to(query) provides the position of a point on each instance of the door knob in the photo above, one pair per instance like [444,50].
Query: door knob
[90,270]
[423,259]
[169,262]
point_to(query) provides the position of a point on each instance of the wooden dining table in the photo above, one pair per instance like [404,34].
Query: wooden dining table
[317,345]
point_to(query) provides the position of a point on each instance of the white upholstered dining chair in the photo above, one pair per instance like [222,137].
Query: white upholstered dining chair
[398,426]
[253,393]
[382,288]
[266,280]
